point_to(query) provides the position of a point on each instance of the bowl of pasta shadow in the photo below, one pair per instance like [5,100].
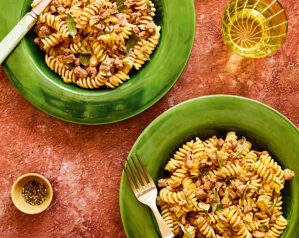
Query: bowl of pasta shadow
[27,70]
[204,117]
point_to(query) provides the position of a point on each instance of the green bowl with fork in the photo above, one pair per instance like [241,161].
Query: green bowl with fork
[27,70]
[204,117]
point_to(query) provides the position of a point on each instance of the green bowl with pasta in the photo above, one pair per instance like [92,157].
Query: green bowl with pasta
[264,148]
[90,65]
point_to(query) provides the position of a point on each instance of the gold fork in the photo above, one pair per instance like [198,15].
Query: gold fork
[145,191]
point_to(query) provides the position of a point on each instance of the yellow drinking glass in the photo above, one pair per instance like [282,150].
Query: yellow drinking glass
[254,28]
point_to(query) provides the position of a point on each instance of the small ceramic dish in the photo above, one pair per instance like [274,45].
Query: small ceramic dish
[27,70]
[18,199]
[204,117]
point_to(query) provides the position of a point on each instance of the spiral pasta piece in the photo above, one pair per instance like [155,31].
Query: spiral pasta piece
[89,11]
[141,4]
[278,177]
[198,149]
[144,49]
[51,41]
[67,75]
[172,197]
[211,143]
[99,51]
[250,159]
[78,48]
[244,148]
[231,136]
[236,222]
[87,83]
[190,230]
[263,172]
[174,164]
[182,153]
[277,229]
[188,183]
[55,22]
[276,206]
[194,170]
[177,177]
[205,228]
[75,11]
[168,216]
[117,79]
[252,225]
[230,170]
[263,202]
[111,39]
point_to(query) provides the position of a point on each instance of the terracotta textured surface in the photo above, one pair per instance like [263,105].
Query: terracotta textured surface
[84,162]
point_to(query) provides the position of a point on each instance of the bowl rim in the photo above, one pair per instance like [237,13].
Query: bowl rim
[34,175]
[95,107]
[165,114]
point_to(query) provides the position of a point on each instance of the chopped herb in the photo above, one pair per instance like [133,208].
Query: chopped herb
[186,232]
[58,9]
[219,160]
[84,42]
[203,172]
[120,5]
[240,149]
[216,201]
[265,228]
[273,204]
[275,181]
[194,204]
[219,207]
[84,59]
[102,55]
[246,189]
[190,200]
[71,25]
[131,42]
[206,212]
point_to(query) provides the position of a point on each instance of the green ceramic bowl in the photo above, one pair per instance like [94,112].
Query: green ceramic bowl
[27,70]
[204,117]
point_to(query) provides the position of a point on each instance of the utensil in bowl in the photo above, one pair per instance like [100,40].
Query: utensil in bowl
[204,117]
[13,38]
[27,70]
[254,28]
[145,191]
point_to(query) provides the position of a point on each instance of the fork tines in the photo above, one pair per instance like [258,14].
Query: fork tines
[137,175]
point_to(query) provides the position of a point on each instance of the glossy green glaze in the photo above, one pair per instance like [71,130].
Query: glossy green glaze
[204,117]
[27,70]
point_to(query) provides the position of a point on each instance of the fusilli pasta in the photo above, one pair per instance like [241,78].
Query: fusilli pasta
[223,188]
[97,43]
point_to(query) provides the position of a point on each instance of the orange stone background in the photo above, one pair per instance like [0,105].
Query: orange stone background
[83,163]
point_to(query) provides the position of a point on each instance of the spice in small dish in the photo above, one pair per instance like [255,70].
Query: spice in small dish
[34,193]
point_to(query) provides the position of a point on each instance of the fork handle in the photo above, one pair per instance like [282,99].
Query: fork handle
[164,229]
[16,34]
